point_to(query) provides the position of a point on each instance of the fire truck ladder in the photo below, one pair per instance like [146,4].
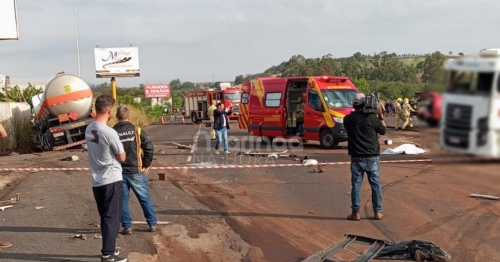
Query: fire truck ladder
[376,245]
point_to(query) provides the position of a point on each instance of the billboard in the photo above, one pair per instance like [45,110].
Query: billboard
[8,20]
[116,62]
[4,82]
[157,91]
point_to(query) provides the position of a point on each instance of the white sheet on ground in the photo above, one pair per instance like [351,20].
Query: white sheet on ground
[409,149]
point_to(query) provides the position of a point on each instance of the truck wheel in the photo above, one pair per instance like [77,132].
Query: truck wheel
[326,140]
[194,118]
[267,140]
[432,122]
[45,142]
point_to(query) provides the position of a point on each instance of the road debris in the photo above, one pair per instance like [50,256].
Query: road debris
[319,168]
[310,162]
[70,158]
[415,250]
[84,237]
[181,146]
[97,236]
[38,208]
[11,201]
[268,154]
[485,196]
[376,245]
[5,207]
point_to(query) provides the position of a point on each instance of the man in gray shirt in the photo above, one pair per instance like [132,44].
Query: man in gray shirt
[105,154]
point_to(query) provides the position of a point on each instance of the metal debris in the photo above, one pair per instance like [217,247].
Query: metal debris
[250,153]
[180,146]
[485,196]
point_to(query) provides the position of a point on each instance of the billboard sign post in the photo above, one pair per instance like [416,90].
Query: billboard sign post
[8,20]
[157,91]
[116,62]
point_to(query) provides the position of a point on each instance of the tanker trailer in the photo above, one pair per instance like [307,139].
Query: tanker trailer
[62,113]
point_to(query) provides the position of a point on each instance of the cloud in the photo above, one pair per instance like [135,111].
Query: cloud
[193,39]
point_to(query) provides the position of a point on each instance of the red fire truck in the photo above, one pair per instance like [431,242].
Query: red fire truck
[196,103]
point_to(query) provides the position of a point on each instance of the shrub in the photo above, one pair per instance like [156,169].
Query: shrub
[138,116]
[20,136]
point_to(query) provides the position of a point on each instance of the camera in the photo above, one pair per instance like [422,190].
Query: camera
[371,104]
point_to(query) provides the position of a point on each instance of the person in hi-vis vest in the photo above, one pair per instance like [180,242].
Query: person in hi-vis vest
[211,115]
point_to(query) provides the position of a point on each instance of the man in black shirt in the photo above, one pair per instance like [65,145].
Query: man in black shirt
[364,149]
[140,152]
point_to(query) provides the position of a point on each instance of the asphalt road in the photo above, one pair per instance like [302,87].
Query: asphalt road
[253,214]
[290,213]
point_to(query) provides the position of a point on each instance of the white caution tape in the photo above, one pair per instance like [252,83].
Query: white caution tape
[427,160]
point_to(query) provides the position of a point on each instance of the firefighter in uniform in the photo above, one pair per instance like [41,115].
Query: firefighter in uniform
[399,113]
[211,115]
[407,114]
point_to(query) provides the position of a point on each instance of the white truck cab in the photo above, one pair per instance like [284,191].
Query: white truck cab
[471,105]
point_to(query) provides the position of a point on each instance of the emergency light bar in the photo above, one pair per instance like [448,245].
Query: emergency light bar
[333,78]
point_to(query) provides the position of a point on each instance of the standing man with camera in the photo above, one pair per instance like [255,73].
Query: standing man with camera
[363,147]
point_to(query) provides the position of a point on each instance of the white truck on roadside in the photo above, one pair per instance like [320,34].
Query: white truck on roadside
[471,105]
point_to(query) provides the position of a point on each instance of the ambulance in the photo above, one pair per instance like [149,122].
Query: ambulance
[471,105]
[270,108]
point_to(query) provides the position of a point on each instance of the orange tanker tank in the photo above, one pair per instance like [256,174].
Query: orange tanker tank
[62,112]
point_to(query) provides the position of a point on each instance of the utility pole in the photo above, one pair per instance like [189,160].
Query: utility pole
[77,45]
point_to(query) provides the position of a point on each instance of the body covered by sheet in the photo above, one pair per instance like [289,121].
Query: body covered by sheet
[409,149]
[416,250]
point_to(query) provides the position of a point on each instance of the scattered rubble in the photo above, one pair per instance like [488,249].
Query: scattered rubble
[84,237]
[71,158]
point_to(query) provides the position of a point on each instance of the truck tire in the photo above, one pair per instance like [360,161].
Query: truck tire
[194,118]
[267,140]
[432,122]
[326,140]
[46,142]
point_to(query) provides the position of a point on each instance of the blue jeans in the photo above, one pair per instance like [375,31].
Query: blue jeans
[139,184]
[371,166]
[221,135]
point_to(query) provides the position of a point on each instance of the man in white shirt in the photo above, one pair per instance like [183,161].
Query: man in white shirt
[105,152]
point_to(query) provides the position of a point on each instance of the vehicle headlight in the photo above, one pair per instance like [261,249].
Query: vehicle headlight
[339,120]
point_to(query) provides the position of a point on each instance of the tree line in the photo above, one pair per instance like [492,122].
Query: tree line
[389,74]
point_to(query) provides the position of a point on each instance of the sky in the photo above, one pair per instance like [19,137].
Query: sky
[195,40]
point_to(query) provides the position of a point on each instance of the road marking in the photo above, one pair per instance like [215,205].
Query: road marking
[195,145]
[145,223]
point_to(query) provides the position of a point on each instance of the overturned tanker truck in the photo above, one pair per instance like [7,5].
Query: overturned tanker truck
[62,113]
